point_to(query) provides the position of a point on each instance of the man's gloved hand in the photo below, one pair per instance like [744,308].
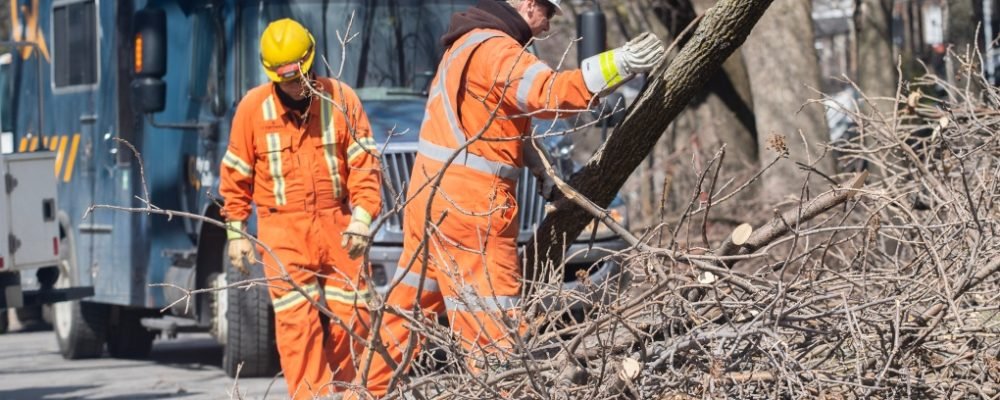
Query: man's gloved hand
[239,248]
[604,72]
[358,234]
[642,53]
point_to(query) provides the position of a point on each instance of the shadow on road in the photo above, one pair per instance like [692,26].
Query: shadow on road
[66,392]
[189,353]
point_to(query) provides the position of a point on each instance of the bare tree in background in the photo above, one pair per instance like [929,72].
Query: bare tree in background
[873,27]
[963,22]
[720,114]
[784,72]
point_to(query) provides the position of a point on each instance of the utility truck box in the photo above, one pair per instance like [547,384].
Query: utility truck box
[29,230]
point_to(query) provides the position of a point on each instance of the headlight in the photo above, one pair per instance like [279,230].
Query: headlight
[617,212]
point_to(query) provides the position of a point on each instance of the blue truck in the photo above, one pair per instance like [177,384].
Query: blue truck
[88,79]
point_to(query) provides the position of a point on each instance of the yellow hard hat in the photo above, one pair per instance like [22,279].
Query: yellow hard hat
[287,49]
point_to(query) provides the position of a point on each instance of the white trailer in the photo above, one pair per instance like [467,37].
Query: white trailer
[29,230]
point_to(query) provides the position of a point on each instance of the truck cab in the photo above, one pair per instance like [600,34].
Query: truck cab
[164,78]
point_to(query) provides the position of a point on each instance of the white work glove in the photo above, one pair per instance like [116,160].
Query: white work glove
[604,72]
[533,161]
[239,248]
[358,234]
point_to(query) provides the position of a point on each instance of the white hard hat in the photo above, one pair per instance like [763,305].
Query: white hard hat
[558,7]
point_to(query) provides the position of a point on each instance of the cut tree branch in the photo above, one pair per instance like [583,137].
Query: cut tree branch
[721,32]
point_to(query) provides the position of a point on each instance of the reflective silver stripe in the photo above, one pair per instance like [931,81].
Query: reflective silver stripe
[330,145]
[478,163]
[473,39]
[435,91]
[527,81]
[274,158]
[235,162]
[412,279]
[364,145]
[293,297]
[349,297]
[270,112]
[489,304]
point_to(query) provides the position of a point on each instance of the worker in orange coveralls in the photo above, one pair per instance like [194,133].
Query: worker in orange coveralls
[305,161]
[488,85]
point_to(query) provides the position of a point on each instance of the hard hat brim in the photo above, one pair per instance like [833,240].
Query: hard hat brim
[559,10]
[304,69]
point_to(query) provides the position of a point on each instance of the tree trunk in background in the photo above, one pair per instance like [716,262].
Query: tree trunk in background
[720,33]
[876,65]
[876,74]
[784,70]
[963,19]
[721,114]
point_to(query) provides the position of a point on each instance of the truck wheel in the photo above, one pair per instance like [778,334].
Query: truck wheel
[30,318]
[249,326]
[4,322]
[80,326]
[128,338]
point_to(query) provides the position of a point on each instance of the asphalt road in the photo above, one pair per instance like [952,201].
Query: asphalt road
[188,367]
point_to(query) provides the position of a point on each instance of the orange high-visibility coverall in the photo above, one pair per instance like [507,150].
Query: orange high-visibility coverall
[301,179]
[472,268]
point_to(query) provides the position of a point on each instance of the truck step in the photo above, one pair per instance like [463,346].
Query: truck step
[170,326]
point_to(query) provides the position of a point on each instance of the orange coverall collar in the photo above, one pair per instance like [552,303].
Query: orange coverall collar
[314,107]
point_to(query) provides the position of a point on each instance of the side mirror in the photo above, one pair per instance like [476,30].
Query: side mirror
[591,28]
[150,40]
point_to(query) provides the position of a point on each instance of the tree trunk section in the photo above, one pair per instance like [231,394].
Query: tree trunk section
[784,72]
[963,20]
[722,30]
[876,64]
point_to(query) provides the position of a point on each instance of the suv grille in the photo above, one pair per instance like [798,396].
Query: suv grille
[397,167]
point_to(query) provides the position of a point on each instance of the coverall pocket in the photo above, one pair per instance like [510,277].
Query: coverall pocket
[273,141]
[275,149]
[504,218]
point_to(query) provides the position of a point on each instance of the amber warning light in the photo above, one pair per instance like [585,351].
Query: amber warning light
[138,53]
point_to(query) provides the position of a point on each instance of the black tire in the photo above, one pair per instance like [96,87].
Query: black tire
[80,326]
[127,338]
[4,322]
[30,318]
[249,328]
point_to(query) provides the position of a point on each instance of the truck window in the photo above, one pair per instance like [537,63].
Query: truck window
[74,42]
[202,68]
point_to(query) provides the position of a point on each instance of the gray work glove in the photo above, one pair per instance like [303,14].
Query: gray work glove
[642,53]
[358,233]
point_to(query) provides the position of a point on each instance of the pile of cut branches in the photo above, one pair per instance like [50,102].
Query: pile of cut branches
[885,285]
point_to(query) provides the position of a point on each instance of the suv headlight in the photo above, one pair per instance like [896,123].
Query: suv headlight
[618,212]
